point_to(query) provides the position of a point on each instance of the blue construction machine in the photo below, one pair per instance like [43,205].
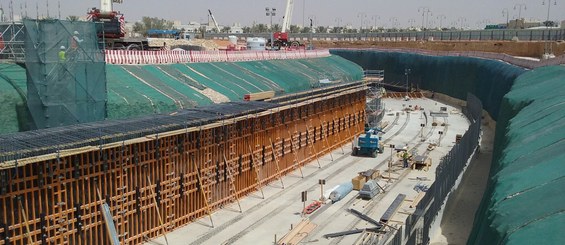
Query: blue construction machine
[367,144]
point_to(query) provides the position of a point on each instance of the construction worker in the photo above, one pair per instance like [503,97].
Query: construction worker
[405,157]
[62,54]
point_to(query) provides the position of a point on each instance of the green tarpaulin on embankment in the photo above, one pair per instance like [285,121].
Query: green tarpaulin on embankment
[137,90]
[524,202]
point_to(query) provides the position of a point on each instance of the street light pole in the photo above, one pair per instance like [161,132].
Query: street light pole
[361,17]
[424,11]
[548,44]
[441,18]
[338,21]
[520,11]
[505,12]
[375,18]
[271,12]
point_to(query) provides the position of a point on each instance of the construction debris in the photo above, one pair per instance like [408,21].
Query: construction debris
[298,233]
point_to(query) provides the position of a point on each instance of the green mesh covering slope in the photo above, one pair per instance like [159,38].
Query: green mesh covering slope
[12,97]
[525,200]
[135,90]
[489,80]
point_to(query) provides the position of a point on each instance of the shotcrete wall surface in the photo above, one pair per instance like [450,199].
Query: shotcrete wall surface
[137,90]
[524,201]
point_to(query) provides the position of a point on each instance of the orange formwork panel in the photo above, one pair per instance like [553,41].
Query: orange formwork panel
[158,183]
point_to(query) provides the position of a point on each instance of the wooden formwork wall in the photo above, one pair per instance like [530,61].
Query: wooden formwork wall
[55,201]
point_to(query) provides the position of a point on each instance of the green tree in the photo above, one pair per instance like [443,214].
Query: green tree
[321,29]
[275,28]
[294,29]
[246,29]
[72,18]
[305,30]
[148,23]
[259,28]
[226,29]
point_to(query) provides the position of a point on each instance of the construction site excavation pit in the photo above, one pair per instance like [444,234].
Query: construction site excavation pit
[269,219]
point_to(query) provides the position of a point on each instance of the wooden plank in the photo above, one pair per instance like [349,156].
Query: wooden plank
[298,233]
[417,199]
[394,206]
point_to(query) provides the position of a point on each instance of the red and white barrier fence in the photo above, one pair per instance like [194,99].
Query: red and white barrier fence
[135,57]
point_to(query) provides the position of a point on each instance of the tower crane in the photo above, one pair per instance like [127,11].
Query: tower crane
[280,39]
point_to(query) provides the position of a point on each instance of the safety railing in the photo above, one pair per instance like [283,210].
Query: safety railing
[522,62]
[171,56]
[455,35]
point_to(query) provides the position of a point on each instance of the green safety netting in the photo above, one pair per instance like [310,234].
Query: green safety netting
[525,200]
[135,90]
[489,80]
[65,72]
[13,92]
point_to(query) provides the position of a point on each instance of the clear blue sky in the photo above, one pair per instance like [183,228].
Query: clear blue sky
[325,12]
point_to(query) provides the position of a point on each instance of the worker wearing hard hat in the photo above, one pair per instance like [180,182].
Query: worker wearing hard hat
[75,41]
[62,54]
[405,157]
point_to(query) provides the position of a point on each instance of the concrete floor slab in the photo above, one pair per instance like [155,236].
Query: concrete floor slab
[262,219]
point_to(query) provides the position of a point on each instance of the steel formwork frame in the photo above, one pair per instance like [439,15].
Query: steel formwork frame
[157,183]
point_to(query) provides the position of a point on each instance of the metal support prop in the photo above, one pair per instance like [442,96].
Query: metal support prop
[294,149]
[257,173]
[277,164]
[157,209]
[24,216]
[203,193]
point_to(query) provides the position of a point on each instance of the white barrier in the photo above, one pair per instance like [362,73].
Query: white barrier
[135,57]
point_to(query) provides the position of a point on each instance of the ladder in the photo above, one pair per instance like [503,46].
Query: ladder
[121,199]
[169,200]
[232,187]
[203,192]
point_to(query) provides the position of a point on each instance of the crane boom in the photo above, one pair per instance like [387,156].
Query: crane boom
[106,5]
[214,20]
[288,15]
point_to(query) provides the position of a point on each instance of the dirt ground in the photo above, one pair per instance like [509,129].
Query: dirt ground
[462,205]
[516,48]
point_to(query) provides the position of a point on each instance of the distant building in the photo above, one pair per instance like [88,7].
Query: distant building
[563,24]
[523,24]
[236,28]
